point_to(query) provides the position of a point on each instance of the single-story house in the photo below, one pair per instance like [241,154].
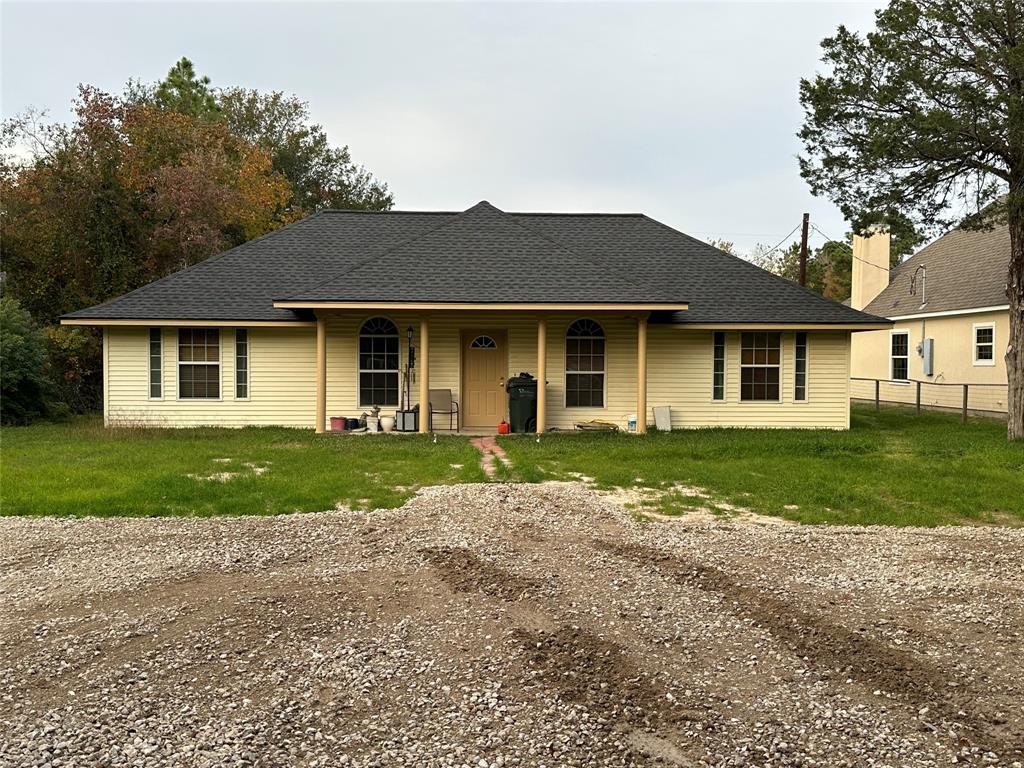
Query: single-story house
[951,321]
[617,313]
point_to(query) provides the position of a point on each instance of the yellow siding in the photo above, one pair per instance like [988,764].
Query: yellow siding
[282,366]
[680,376]
[953,363]
[283,369]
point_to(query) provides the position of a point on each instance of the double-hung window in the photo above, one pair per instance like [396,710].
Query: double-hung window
[718,367]
[584,365]
[985,344]
[199,363]
[760,362]
[156,364]
[378,362]
[800,367]
[899,355]
[241,364]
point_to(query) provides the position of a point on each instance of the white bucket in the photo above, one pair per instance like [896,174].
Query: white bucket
[372,424]
[631,423]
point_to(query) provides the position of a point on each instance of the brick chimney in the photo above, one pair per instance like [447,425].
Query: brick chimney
[870,268]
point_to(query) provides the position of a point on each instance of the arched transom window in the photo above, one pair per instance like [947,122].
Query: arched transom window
[584,365]
[378,362]
[483,342]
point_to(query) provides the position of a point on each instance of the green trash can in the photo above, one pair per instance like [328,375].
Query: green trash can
[522,403]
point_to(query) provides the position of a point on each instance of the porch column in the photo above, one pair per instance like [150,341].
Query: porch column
[321,374]
[542,371]
[641,374]
[424,376]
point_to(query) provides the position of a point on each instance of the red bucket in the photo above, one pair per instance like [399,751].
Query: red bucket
[337,423]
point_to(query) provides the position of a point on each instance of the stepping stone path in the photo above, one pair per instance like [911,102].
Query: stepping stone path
[490,451]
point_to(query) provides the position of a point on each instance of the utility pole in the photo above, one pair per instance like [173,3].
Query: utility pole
[803,250]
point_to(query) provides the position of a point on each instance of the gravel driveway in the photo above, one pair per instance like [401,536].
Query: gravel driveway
[498,625]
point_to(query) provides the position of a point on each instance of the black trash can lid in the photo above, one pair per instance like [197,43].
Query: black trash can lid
[523,379]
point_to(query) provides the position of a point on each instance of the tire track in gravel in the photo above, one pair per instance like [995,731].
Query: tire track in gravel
[581,666]
[826,644]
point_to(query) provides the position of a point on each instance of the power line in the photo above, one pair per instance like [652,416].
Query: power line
[773,250]
[840,242]
[830,239]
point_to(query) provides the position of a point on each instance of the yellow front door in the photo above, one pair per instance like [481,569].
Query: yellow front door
[484,369]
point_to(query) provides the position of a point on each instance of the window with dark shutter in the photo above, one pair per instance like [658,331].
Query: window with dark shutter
[718,367]
[156,364]
[800,380]
[241,364]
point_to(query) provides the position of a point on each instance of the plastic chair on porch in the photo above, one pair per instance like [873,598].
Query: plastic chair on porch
[441,403]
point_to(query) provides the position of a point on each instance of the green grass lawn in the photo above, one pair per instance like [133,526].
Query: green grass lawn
[891,468]
[80,468]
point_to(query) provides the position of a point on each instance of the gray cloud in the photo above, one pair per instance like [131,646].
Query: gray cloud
[684,111]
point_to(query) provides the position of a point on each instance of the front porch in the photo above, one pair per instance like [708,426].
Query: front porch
[594,362]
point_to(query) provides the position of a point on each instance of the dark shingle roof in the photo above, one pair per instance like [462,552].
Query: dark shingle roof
[479,255]
[964,270]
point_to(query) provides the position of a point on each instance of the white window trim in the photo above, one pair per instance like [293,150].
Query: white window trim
[893,379]
[360,370]
[149,364]
[780,366]
[220,372]
[567,373]
[974,344]
[248,365]
[725,367]
[807,368]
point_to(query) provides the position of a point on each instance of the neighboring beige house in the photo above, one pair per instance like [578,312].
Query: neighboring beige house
[951,320]
[617,313]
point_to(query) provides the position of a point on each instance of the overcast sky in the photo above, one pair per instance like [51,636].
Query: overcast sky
[686,112]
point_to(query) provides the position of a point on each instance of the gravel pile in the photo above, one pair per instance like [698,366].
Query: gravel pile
[507,625]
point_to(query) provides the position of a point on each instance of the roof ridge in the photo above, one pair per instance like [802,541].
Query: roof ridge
[591,259]
[412,212]
[381,254]
[505,217]
[390,210]
[570,214]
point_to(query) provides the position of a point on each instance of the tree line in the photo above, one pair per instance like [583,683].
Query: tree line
[135,186]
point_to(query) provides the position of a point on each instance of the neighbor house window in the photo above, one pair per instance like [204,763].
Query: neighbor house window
[800,364]
[378,362]
[718,372]
[584,365]
[985,344]
[899,356]
[760,354]
[241,364]
[199,363]
[156,364]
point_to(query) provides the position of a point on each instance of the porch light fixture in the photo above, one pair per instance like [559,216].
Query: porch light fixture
[408,334]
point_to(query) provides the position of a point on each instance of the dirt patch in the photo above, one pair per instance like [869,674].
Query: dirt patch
[925,688]
[690,504]
[463,571]
[587,669]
